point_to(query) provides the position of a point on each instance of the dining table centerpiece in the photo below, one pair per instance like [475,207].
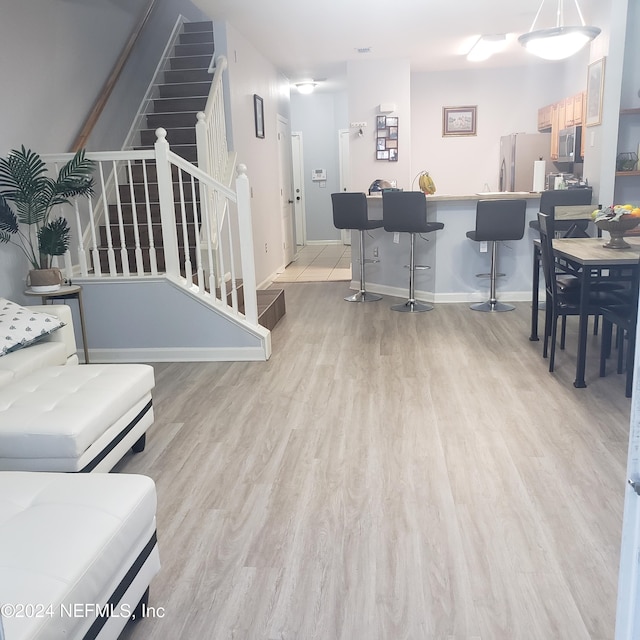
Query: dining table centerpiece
[617,220]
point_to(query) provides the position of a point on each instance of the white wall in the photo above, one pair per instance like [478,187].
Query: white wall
[370,84]
[601,142]
[55,57]
[251,73]
[55,79]
[507,101]
[627,188]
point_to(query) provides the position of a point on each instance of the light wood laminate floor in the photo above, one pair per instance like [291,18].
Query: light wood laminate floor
[387,476]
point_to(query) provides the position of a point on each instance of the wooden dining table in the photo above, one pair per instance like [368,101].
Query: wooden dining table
[588,259]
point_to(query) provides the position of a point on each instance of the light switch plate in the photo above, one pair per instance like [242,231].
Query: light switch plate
[396,237]
[484,246]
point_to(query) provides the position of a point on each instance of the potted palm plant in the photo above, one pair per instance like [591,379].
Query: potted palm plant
[33,195]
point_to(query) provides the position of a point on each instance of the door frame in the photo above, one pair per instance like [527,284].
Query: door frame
[297,165]
[285,170]
[345,176]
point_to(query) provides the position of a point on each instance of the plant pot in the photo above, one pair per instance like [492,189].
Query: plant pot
[617,229]
[45,280]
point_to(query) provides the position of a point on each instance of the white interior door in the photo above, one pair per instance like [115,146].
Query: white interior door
[343,168]
[298,188]
[286,192]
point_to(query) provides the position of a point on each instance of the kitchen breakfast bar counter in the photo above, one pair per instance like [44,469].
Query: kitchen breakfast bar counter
[454,259]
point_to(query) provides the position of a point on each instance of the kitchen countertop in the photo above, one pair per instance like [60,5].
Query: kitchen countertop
[498,195]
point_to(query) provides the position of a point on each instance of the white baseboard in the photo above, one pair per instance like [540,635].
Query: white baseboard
[445,298]
[177,354]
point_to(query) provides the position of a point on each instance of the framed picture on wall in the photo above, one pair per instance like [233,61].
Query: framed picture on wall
[595,87]
[258,113]
[387,138]
[459,121]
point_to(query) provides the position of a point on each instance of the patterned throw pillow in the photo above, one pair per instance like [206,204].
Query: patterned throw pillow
[20,327]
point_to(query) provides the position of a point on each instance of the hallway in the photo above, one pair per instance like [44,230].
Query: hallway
[319,263]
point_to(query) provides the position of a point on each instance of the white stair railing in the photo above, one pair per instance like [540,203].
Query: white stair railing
[211,130]
[117,230]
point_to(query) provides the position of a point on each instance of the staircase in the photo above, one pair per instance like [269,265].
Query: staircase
[185,87]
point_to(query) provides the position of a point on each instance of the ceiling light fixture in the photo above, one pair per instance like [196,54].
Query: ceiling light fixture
[306,87]
[559,42]
[486,46]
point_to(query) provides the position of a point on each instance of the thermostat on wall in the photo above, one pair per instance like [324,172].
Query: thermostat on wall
[317,175]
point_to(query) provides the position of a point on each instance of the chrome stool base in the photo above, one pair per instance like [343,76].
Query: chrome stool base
[363,296]
[412,306]
[492,306]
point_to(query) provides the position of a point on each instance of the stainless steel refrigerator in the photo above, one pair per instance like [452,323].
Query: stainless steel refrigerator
[518,152]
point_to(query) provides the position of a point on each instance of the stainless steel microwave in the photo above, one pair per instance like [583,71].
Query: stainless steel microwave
[569,141]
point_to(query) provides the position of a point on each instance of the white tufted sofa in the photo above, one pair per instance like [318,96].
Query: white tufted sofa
[72,547]
[56,416]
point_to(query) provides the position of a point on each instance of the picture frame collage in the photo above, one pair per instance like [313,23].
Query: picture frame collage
[387,138]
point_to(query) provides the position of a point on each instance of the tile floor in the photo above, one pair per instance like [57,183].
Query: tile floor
[319,263]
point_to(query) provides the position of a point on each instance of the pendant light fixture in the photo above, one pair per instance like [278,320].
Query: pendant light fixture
[559,42]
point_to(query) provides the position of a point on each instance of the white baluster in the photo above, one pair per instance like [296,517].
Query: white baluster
[152,244]
[188,268]
[95,254]
[82,256]
[134,218]
[111,256]
[167,210]
[196,224]
[245,231]
[124,256]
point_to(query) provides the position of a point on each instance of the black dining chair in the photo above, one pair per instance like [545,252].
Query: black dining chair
[562,295]
[567,228]
[625,318]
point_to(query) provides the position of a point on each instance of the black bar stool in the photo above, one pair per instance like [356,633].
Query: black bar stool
[350,212]
[406,211]
[497,220]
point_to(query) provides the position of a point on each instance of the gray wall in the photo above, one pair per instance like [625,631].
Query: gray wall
[55,57]
[111,130]
[319,116]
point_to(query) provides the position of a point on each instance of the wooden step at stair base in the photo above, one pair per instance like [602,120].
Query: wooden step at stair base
[271,307]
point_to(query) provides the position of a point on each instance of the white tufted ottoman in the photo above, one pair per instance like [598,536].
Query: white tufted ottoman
[73,546]
[75,418]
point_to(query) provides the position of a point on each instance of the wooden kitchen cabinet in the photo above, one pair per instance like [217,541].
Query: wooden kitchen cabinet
[544,118]
[554,131]
[568,112]
[578,108]
[562,115]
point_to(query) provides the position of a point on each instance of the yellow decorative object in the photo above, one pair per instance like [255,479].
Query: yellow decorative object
[426,183]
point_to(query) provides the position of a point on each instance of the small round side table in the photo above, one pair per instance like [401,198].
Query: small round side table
[66,292]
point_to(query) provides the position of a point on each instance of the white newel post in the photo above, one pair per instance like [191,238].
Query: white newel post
[202,142]
[167,211]
[245,230]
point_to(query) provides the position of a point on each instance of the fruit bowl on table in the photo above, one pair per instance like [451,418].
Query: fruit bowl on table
[617,220]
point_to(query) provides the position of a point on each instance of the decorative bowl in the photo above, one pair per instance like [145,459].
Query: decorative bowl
[617,229]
